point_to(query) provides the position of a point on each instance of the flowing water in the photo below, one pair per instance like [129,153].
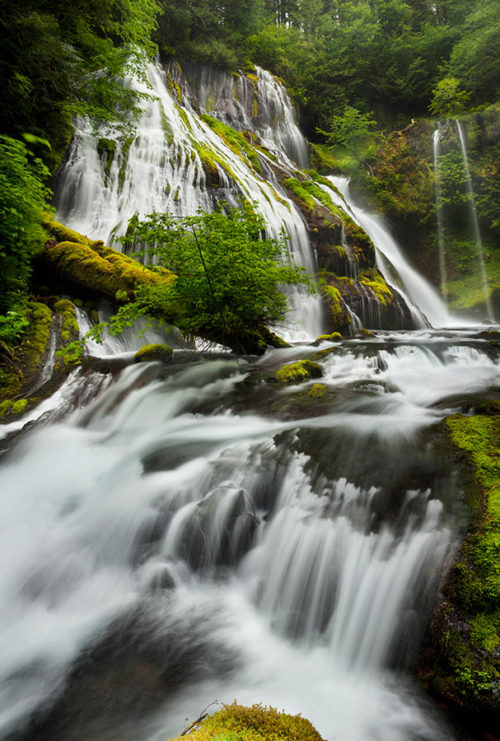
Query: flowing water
[475,224]
[160,168]
[420,296]
[182,534]
[439,213]
[174,535]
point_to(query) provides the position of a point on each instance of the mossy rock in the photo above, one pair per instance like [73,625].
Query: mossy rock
[153,352]
[98,269]
[67,323]
[465,632]
[298,372]
[317,390]
[333,337]
[10,407]
[238,723]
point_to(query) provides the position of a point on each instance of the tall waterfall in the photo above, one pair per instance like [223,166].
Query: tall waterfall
[391,262]
[161,168]
[475,224]
[439,213]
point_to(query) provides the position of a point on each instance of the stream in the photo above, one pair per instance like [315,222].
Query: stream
[186,533]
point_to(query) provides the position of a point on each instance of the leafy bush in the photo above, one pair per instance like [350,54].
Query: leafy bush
[229,272]
[23,198]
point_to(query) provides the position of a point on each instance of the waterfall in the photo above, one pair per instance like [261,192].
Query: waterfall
[165,544]
[418,293]
[439,213]
[475,224]
[162,167]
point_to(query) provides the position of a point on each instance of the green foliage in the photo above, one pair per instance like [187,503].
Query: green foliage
[229,274]
[474,58]
[448,99]
[23,197]
[62,58]
[352,133]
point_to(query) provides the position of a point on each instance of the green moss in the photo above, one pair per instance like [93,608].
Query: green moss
[317,390]
[323,159]
[100,269]
[37,336]
[298,190]
[332,296]
[298,372]
[333,337]
[68,328]
[185,118]
[9,407]
[153,352]
[372,278]
[61,233]
[468,634]
[235,140]
[258,723]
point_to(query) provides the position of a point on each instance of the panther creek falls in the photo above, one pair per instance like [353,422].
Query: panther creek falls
[199,530]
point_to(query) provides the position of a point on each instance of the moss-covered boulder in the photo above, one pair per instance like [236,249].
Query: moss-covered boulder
[94,269]
[302,370]
[258,723]
[462,660]
[153,352]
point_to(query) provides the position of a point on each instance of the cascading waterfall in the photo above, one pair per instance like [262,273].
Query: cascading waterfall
[418,293]
[475,223]
[161,168]
[439,213]
[171,546]
[175,533]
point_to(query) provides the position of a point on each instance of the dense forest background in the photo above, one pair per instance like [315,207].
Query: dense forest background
[385,56]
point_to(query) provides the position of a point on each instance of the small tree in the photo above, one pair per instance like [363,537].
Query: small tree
[352,133]
[229,273]
[448,98]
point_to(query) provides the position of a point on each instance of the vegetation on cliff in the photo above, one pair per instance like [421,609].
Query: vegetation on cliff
[466,627]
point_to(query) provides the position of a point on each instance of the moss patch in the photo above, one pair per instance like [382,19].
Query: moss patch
[235,140]
[68,325]
[466,630]
[153,352]
[374,280]
[258,723]
[99,269]
[298,372]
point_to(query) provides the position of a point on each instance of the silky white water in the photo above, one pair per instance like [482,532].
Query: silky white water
[159,168]
[475,224]
[414,288]
[439,213]
[167,544]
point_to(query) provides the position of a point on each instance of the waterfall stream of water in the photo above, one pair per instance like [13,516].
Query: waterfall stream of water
[418,293]
[475,224]
[174,534]
[160,168]
[439,213]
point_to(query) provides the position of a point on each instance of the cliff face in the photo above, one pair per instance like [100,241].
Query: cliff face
[207,137]
[419,177]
